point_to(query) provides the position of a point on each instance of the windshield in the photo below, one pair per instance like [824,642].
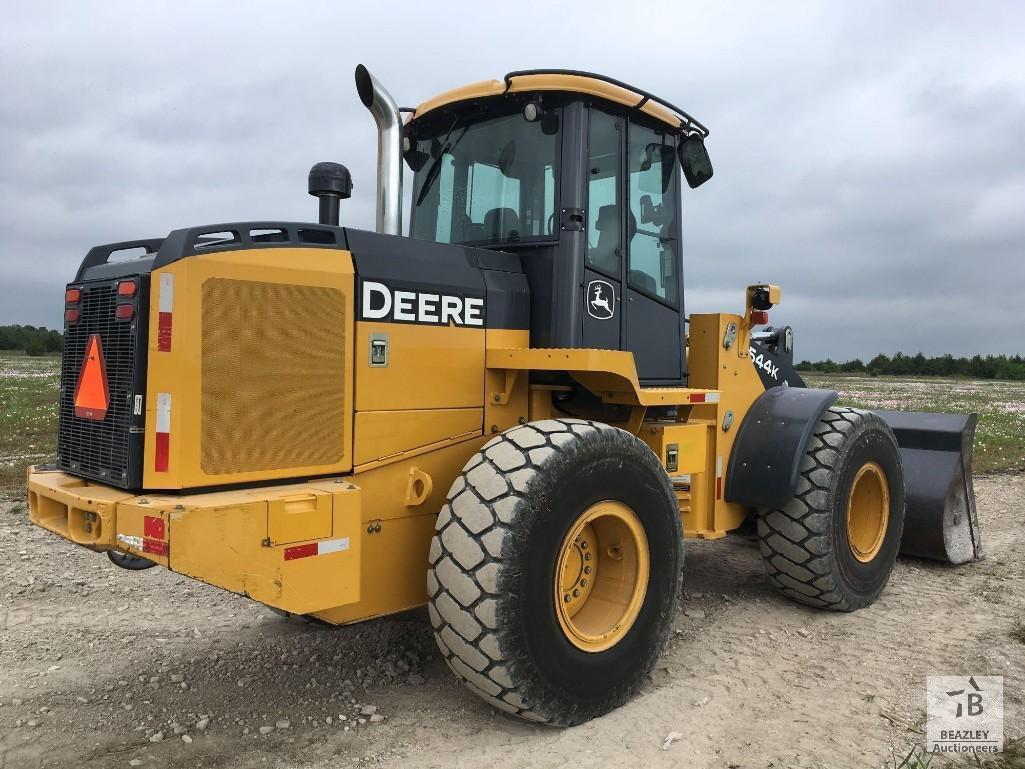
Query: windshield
[486,182]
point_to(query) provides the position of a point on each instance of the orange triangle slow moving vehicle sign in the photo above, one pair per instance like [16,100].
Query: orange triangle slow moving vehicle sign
[92,397]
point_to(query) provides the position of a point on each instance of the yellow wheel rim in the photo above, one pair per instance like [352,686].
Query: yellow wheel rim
[868,512]
[601,576]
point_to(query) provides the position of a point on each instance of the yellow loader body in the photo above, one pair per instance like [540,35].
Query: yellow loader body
[349,540]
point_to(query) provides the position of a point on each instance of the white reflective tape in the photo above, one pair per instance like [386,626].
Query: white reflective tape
[332,546]
[163,412]
[711,397]
[718,467]
[166,300]
[129,541]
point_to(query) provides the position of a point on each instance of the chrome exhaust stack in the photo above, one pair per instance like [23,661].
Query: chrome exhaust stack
[389,150]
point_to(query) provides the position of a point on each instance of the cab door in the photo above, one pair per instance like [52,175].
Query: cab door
[653,312]
[602,285]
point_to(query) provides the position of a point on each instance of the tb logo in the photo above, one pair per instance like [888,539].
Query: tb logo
[974,700]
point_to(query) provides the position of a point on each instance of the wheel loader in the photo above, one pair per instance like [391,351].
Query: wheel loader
[505,415]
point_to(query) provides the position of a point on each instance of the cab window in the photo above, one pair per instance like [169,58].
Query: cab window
[604,193]
[488,181]
[652,186]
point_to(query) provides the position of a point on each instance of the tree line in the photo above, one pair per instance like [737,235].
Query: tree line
[976,367]
[30,339]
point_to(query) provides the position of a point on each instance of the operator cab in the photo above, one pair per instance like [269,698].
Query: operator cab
[579,175]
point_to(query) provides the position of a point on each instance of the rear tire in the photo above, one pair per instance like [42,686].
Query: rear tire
[521,515]
[834,544]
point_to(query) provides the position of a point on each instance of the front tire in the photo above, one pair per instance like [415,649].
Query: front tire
[521,611]
[834,544]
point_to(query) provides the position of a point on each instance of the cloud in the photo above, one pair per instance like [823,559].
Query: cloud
[868,158]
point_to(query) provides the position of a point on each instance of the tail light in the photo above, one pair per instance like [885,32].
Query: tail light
[72,295]
[72,315]
[759,317]
[126,290]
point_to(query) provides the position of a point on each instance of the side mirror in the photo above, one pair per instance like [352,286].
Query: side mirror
[697,166]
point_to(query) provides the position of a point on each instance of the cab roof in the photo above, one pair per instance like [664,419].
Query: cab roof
[569,81]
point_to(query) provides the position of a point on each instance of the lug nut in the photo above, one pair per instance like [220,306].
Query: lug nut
[587,570]
[587,556]
[583,583]
[567,598]
[576,593]
[583,545]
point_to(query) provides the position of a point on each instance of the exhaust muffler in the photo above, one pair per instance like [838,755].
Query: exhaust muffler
[389,150]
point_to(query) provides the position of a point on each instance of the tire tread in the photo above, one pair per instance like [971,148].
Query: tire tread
[795,540]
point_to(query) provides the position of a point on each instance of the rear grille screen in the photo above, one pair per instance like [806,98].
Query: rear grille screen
[104,450]
[273,376]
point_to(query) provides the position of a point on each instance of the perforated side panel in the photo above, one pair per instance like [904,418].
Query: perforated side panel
[273,376]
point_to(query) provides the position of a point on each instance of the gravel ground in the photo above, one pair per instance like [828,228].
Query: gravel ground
[107,668]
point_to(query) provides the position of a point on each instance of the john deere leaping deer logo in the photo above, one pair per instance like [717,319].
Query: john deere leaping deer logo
[601,300]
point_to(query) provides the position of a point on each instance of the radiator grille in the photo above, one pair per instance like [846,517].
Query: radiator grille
[273,376]
[100,450]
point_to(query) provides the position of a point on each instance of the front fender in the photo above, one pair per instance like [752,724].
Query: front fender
[771,441]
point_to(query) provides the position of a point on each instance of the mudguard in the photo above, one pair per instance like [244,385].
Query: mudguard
[766,456]
[936,451]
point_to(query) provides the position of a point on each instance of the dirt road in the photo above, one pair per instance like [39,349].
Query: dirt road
[107,668]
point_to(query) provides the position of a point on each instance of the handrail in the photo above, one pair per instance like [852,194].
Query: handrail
[686,121]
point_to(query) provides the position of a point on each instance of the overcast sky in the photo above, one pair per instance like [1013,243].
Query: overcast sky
[869,158]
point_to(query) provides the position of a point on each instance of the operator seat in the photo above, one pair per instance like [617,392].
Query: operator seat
[500,222]
[603,255]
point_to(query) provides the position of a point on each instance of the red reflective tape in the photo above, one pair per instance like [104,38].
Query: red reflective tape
[155,546]
[300,551]
[163,447]
[718,488]
[697,398]
[154,527]
[164,332]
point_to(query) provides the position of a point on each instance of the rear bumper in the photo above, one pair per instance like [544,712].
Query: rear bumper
[296,547]
[73,508]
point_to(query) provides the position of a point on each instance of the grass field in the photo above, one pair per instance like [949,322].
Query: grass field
[29,386]
[1000,435]
[28,414]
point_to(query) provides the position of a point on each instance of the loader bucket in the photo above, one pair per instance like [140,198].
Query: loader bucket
[936,451]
